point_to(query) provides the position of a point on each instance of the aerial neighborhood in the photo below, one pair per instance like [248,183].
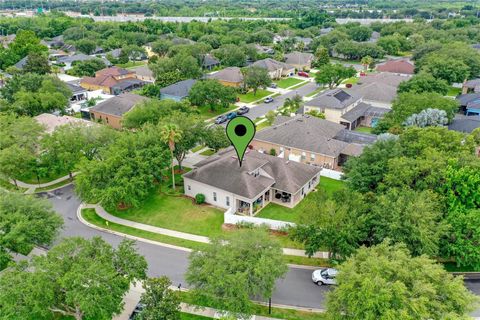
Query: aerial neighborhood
[124,195]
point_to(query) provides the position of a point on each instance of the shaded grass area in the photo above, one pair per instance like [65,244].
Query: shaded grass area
[30,177]
[197,148]
[11,187]
[54,186]
[278,212]
[249,97]
[364,129]
[205,112]
[189,316]
[207,152]
[259,310]
[287,82]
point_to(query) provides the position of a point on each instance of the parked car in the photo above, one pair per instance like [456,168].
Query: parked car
[303,74]
[243,110]
[324,276]
[138,308]
[231,115]
[221,119]
[273,85]
[268,100]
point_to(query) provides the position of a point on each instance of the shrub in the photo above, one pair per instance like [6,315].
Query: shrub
[200,198]
[273,152]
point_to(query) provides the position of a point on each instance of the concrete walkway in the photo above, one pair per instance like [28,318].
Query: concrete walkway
[31,187]
[177,234]
[132,298]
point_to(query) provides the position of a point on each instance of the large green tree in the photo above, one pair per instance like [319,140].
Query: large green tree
[333,74]
[25,222]
[256,77]
[235,268]
[385,282]
[37,63]
[211,93]
[83,279]
[87,67]
[160,302]
[215,138]
[424,82]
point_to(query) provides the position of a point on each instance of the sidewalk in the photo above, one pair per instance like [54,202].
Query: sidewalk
[172,233]
[31,187]
[132,298]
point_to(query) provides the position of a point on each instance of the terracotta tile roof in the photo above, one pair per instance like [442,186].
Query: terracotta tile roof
[397,66]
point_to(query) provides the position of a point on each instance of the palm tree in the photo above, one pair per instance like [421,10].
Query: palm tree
[366,62]
[170,134]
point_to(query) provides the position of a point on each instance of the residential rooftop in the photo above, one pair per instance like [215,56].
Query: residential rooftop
[119,105]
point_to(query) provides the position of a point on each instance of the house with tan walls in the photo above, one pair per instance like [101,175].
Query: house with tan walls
[230,77]
[113,80]
[247,189]
[275,69]
[110,112]
[310,140]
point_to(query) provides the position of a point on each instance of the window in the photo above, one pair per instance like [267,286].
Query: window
[107,119]
[304,155]
[227,201]
[214,196]
[189,188]
[312,157]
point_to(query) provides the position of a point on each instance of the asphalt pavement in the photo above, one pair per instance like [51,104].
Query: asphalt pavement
[296,289]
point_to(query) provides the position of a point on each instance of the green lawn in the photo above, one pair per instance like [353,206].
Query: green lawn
[287,82]
[299,85]
[249,97]
[364,129]
[207,152]
[54,186]
[262,125]
[453,92]
[205,112]
[198,148]
[4,184]
[189,316]
[278,212]
[30,177]
[316,91]
[131,64]
[177,213]
[352,80]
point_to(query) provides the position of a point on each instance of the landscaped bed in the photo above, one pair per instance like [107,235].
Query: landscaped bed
[277,212]
[287,82]
[249,97]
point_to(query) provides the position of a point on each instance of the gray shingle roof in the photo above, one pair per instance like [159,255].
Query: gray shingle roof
[179,89]
[334,99]
[143,71]
[120,104]
[311,134]
[270,64]
[465,124]
[464,99]
[209,61]
[375,91]
[298,58]
[230,74]
[223,172]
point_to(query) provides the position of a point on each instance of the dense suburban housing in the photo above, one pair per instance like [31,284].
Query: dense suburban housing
[231,76]
[111,111]
[299,60]
[346,108]
[260,180]
[311,140]
[177,91]
[399,66]
[113,80]
[276,69]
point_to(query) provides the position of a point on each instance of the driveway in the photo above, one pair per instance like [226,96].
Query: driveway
[297,289]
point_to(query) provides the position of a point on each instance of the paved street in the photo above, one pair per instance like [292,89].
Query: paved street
[296,289]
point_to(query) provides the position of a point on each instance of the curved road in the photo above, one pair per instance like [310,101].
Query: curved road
[296,289]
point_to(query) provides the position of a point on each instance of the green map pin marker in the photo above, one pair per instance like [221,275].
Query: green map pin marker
[240,131]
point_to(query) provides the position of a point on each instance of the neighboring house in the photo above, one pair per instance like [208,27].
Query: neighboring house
[311,140]
[54,54]
[276,69]
[306,42]
[264,49]
[209,62]
[116,53]
[469,103]
[471,86]
[51,122]
[55,42]
[398,66]
[246,189]
[300,60]
[21,64]
[78,93]
[177,91]
[346,108]
[465,124]
[143,73]
[111,111]
[98,50]
[113,80]
[231,77]
[69,60]
[378,89]
[374,37]
[324,31]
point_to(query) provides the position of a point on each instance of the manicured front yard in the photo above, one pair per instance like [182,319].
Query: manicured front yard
[176,213]
[249,97]
[207,152]
[352,80]
[278,212]
[315,92]
[205,112]
[287,82]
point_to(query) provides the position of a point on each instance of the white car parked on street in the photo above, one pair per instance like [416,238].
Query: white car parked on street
[324,276]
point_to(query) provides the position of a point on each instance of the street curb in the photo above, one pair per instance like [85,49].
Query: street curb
[124,235]
[301,266]
[50,190]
